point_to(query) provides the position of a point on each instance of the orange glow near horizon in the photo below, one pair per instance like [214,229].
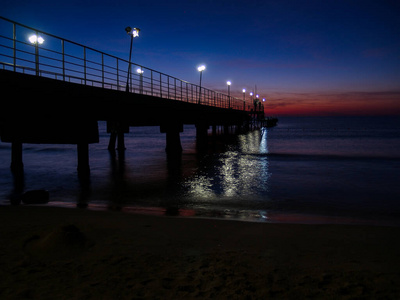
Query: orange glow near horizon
[352,103]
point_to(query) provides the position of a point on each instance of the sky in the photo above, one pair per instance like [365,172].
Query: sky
[305,57]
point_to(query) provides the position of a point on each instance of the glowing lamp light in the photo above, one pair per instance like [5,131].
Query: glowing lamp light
[135,32]
[201,68]
[263,99]
[34,39]
[132,31]
[244,90]
[251,93]
[257,96]
[139,71]
[228,83]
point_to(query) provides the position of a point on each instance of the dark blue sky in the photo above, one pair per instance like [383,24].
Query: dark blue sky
[306,57]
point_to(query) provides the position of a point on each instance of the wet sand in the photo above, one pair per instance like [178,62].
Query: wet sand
[61,253]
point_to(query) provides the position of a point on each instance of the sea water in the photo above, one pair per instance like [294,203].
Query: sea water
[306,169]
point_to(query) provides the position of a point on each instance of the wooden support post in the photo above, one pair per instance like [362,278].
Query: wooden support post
[201,136]
[238,128]
[226,129]
[201,131]
[173,142]
[173,139]
[112,142]
[214,130]
[117,130]
[247,126]
[83,158]
[16,157]
[121,140]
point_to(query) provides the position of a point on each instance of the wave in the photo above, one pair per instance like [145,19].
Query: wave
[322,156]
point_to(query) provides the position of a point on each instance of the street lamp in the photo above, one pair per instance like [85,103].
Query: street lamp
[200,69]
[36,40]
[244,99]
[229,87]
[133,32]
[257,102]
[229,93]
[140,72]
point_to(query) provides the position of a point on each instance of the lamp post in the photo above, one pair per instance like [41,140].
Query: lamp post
[140,72]
[257,101]
[200,69]
[244,99]
[36,40]
[133,32]
[229,93]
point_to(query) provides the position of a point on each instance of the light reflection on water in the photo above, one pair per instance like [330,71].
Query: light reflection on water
[240,173]
[262,175]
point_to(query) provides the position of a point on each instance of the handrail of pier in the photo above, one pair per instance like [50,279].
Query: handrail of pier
[65,60]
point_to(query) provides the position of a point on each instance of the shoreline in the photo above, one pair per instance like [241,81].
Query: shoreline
[50,252]
[253,216]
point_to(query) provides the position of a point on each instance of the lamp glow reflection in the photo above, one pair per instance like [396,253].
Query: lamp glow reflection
[234,175]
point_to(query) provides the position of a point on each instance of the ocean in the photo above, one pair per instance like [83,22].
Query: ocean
[312,170]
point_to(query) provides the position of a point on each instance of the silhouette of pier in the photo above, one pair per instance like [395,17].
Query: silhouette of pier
[55,91]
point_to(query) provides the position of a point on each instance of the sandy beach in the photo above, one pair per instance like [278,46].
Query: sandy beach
[61,253]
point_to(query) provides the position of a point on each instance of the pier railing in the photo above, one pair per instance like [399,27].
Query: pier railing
[61,59]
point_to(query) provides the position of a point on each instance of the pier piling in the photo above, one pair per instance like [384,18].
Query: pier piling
[83,158]
[173,139]
[16,157]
